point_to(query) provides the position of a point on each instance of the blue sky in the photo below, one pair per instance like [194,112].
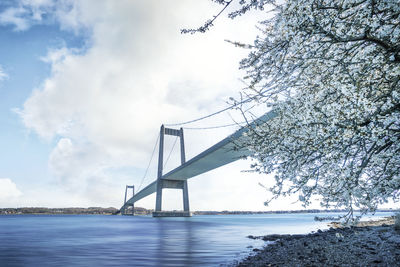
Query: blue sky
[85,86]
[24,69]
[24,155]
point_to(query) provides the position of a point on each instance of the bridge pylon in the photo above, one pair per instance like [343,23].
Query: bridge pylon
[174,184]
[124,210]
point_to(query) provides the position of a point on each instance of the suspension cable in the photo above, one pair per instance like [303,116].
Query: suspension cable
[148,165]
[212,114]
[216,127]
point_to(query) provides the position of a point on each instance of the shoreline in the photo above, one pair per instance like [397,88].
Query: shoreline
[144,211]
[370,243]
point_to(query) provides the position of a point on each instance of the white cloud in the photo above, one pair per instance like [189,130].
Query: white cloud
[8,192]
[3,75]
[106,105]
[15,16]
[23,14]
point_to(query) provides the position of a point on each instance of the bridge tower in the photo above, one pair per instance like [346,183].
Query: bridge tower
[175,184]
[123,211]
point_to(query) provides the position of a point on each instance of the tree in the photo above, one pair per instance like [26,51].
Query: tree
[330,69]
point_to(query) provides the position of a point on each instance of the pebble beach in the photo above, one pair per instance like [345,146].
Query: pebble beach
[371,243]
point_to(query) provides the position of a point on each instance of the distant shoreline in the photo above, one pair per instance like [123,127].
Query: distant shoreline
[58,211]
[143,211]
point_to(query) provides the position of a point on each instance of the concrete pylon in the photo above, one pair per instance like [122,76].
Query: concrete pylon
[175,184]
[133,205]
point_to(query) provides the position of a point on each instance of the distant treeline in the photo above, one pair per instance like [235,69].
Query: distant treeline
[278,211]
[90,210]
[143,211]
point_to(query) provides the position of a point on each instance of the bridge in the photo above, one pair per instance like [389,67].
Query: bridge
[222,153]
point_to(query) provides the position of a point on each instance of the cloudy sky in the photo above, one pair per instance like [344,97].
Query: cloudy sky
[85,86]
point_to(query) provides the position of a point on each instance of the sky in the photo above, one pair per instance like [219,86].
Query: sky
[86,85]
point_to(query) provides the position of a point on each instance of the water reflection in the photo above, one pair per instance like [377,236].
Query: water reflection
[175,245]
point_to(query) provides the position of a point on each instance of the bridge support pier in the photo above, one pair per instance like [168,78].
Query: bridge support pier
[175,184]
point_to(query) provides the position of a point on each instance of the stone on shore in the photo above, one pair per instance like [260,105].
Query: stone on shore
[373,244]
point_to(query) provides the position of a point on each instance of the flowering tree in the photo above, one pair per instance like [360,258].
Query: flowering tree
[330,69]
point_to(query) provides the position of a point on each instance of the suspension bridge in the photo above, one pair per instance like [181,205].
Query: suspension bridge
[222,153]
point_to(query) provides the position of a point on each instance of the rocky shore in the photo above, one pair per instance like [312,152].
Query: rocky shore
[375,243]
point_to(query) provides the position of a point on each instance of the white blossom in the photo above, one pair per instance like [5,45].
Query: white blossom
[330,70]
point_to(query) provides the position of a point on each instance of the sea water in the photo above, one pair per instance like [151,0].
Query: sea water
[99,240]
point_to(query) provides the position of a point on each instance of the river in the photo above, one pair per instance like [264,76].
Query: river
[99,240]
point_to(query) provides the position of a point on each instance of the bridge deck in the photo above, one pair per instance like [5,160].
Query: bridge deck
[220,154]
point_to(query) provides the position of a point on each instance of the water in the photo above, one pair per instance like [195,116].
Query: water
[90,240]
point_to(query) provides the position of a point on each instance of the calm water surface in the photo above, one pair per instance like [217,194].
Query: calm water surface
[90,240]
